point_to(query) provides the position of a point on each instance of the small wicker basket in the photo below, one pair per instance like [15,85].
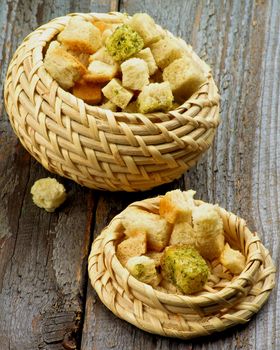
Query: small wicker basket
[95,147]
[226,300]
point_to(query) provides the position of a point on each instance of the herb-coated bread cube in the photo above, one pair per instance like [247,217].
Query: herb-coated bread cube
[155,97]
[184,267]
[156,228]
[135,73]
[147,56]
[81,36]
[143,268]
[166,51]
[63,67]
[184,76]
[124,43]
[145,26]
[117,94]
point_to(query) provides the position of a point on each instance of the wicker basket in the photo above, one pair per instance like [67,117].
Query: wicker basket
[225,301]
[95,147]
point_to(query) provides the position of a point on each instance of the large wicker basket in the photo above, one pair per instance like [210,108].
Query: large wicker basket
[95,147]
[225,301]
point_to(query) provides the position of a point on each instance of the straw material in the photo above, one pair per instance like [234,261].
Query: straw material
[226,300]
[95,147]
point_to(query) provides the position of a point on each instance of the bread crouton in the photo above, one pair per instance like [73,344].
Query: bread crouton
[105,35]
[80,36]
[184,267]
[143,268]
[100,72]
[156,256]
[80,56]
[130,247]
[209,231]
[135,73]
[233,260]
[132,107]
[115,92]
[124,43]
[145,26]
[182,233]
[148,57]
[155,97]
[175,207]
[88,92]
[157,229]
[166,51]
[63,67]
[184,76]
[109,105]
[103,55]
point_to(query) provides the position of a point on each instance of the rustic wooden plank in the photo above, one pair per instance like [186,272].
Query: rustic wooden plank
[240,40]
[43,256]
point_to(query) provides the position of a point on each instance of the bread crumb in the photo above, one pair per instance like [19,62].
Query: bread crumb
[48,193]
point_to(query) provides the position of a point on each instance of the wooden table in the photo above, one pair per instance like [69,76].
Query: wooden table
[46,300]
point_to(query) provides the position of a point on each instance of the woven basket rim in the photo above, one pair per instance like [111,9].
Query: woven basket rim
[106,281]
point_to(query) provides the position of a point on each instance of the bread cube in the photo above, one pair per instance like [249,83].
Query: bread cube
[130,247]
[105,35]
[155,97]
[183,233]
[115,92]
[81,36]
[144,269]
[184,267]
[175,206]
[135,73]
[148,57]
[233,260]
[184,76]
[145,26]
[63,67]
[103,56]
[109,105]
[157,229]
[100,72]
[209,231]
[90,93]
[124,43]
[166,51]
[156,256]
[48,194]
[132,107]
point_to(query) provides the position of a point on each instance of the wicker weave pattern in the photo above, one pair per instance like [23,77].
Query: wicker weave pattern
[225,301]
[95,147]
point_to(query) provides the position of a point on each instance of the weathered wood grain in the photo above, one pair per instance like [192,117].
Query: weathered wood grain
[43,256]
[240,40]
